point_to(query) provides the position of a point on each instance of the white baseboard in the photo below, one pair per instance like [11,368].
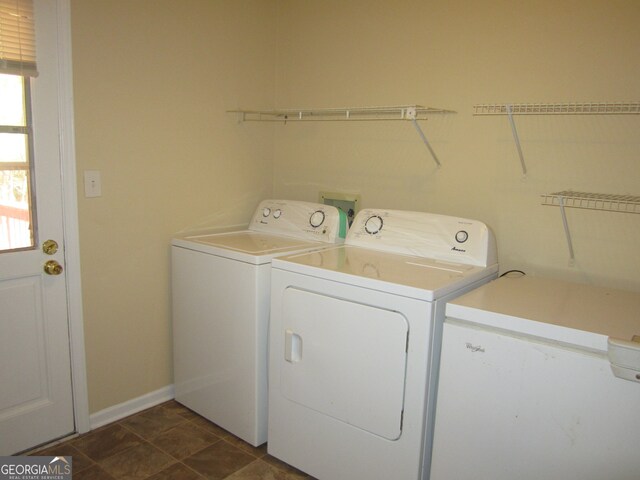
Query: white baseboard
[135,405]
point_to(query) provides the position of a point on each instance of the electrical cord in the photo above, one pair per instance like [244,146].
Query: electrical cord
[513,271]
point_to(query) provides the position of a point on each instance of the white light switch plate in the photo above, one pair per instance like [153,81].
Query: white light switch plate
[92,183]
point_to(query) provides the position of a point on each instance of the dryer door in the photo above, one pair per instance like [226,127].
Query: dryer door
[345,359]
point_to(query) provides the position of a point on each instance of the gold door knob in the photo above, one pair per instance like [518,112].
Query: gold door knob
[52,268]
[50,247]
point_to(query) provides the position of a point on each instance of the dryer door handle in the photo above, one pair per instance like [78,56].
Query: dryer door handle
[292,346]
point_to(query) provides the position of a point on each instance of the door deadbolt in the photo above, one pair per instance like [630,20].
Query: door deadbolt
[52,268]
[50,247]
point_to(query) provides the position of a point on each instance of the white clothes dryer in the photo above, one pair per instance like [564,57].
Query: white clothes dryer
[355,340]
[220,293]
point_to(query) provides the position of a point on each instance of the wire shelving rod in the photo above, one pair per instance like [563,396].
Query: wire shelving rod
[412,113]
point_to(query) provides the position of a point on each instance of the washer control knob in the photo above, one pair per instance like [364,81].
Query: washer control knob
[373,224]
[266,211]
[277,213]
[462,236]
[317,218]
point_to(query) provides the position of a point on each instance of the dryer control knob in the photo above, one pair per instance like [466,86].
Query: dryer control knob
[277,213]
[317,218]
[373,224]
[266,211]
[462,236]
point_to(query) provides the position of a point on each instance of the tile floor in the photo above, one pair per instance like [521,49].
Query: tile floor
[169,441]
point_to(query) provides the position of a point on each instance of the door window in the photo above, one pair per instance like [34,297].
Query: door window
[17,215]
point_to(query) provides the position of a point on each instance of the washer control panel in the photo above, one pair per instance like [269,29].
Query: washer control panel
[304,220]
[430,235]
[317,218]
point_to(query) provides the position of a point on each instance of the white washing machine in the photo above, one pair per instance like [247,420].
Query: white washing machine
[539,379]
[220,293]
[354,342]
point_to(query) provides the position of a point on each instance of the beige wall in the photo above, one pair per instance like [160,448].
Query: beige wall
[150,111]
[152,82]
[453,55]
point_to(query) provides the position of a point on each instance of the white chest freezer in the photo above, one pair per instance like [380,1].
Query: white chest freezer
[527,387]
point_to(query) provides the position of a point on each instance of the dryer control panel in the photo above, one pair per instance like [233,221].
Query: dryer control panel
[429,235]
[304,220]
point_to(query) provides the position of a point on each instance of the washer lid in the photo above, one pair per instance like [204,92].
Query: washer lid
[407,275]
[580,315]
[246,246]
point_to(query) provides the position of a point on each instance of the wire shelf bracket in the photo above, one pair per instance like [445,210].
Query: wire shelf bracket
[412,116]
[567,108]
[516,138]
[412,113]
[589,201]
[567,232]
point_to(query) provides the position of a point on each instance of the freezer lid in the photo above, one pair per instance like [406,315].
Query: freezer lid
[576,314]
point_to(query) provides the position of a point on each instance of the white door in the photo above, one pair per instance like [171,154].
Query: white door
[345,360]
[36,404]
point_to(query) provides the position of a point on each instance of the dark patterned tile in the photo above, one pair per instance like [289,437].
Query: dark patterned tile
[151,422]
[184,440]
[280,465]
[79,460]
[210,427]
[104,442]
[258,452]
[92,473]
[177,471]
[137,462]
[260,470]
[179,409]
[218,461]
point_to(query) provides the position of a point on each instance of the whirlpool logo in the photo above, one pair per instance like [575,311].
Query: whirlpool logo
[36,468]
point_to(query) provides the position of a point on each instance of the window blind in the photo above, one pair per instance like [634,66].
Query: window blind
[17,38]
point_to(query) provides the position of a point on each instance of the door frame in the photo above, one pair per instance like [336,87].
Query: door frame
[70,219]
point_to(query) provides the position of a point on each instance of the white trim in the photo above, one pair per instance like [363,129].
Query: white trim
[135,405]
[70,219]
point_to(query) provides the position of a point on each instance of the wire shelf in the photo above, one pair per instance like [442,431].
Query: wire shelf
[412,113]
[569,108]
[397,112]
[593,201]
